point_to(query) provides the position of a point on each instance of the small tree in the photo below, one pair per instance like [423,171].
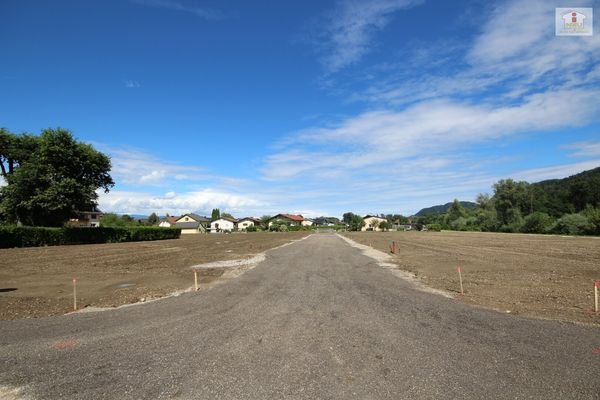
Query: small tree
[347,218]
[456,211]
[356,223]
[153,219]
[264,221]
[384,226]
[216,214]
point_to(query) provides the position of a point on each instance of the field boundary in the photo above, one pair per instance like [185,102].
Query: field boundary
[387,262]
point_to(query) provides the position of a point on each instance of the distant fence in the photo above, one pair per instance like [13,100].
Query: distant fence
[28,236]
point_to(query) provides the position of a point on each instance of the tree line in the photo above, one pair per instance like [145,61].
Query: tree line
[561,206]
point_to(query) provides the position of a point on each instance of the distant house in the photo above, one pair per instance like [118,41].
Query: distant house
[247,222]
[223,224]
[326,221]
[307,222]
[86,219]
[168,222]
[371,223]
[288,219]
[192,223]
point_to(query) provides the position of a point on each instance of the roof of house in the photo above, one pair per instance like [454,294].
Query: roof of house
[170,219]
[187,225]
[298,218]
[230,219]
[196,217]
[372,216]
[256,220]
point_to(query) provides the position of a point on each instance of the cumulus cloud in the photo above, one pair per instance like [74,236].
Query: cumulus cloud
[136,167]
[133,202]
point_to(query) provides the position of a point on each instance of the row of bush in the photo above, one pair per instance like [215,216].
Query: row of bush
[27,236]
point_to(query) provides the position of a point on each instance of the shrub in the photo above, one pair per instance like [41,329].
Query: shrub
[571,224]
[282,228]
[434,227]
[26,236]
[537,222]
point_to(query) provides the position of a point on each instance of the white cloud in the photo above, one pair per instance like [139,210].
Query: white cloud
[555,171]
[129,84]
[132,202]
[202,12]
[511,57]
[136,167]
[585,149]
[351,27]
[433,127]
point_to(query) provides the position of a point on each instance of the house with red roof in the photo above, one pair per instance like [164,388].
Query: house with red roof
[288,219]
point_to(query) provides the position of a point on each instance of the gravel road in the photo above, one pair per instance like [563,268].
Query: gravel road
[315,320]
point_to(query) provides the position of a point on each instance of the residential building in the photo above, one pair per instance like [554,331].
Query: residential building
[86,219]
[247,222]
[192,223]
[371,223]
[288,219]
[168,222]
[223,224]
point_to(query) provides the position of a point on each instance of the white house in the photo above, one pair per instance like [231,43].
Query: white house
[371,223]
[86,219]
[192,223]
[246,223]
[168,222]
[307,222]
[223,224]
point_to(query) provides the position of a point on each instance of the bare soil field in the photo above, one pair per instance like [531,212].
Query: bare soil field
[534,275]
[37,282]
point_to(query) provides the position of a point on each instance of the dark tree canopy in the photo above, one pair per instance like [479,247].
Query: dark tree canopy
[153,219]
[49,176]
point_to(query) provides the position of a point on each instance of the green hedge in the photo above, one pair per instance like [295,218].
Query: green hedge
[28,236]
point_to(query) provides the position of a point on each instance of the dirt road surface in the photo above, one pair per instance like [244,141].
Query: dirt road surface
[316,320]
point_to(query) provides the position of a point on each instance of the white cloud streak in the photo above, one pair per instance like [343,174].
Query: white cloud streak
[510,57]
[202,12]
[434,127]
[584,149]
[351,27]
[132,84]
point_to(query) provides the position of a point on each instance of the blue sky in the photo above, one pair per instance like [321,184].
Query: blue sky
[312,107]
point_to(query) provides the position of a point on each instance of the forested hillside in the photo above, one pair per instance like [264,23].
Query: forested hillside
[442,208]
[565,206]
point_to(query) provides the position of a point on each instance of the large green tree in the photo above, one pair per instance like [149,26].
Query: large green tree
[49,176]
